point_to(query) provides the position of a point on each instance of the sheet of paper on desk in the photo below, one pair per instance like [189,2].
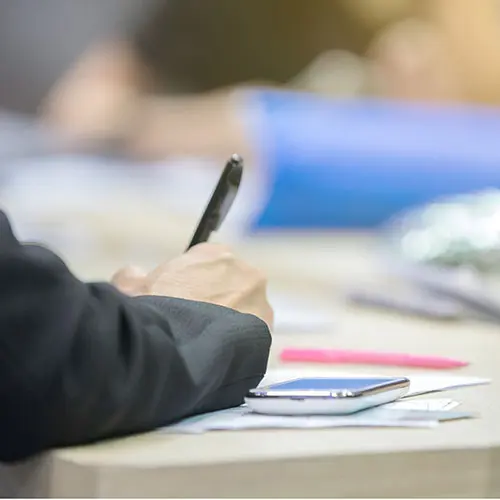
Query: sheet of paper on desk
[294,314]
[419,384]
[421,413]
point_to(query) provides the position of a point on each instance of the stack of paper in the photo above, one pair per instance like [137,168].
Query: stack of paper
[426,413]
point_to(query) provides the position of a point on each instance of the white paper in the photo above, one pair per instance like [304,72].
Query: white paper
[425,413]
[179,186]
[426,384]
[406,412]
[443,404]
[296,314]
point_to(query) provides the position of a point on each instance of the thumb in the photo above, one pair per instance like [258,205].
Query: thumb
[130,280]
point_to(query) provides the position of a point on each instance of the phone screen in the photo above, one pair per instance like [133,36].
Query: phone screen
[318,384]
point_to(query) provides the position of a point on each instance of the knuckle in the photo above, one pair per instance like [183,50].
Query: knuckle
[256,274]
[260,278]
[226,254]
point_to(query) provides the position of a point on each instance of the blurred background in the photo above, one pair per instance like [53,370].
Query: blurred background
[118,115]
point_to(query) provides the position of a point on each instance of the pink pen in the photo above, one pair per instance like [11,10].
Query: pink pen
[368,358]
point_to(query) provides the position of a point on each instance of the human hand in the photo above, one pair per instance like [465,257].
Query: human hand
[95,101]
[206,273]
[105,99]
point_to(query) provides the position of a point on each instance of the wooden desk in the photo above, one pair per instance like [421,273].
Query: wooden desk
[458,459]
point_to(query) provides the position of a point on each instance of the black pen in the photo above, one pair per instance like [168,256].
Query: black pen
[222,198]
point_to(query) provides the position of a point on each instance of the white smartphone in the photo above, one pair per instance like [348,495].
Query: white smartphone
[326,396]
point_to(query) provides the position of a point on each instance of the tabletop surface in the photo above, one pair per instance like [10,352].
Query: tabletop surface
[456,459]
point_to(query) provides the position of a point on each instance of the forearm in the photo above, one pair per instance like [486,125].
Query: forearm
[82,362]
[149,361]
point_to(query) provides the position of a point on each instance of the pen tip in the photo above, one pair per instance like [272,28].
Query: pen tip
[236,158]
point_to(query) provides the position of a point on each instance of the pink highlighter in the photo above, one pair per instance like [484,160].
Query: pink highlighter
[336,356]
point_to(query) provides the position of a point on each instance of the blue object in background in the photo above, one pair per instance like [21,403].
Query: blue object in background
[354,164]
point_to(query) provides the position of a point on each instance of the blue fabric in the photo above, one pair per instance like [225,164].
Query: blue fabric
[356,163]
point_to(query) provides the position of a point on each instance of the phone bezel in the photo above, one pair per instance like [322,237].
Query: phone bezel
[269,392]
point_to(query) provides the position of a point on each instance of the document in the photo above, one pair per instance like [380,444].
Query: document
[296,314]
[420,414]
[407,412]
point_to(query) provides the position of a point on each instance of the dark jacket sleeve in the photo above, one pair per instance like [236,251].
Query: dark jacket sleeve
[82,362]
